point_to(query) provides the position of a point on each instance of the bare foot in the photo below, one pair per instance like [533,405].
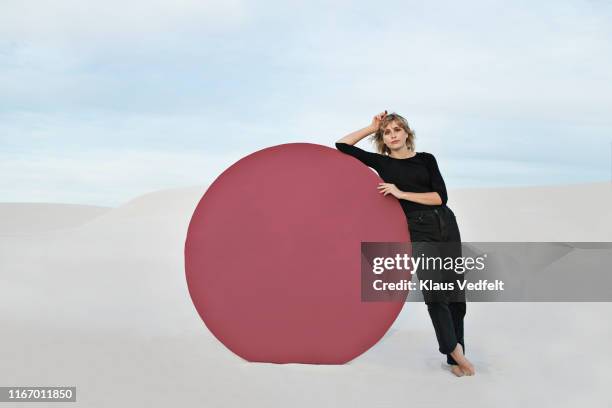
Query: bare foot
[464,363]
[455,369]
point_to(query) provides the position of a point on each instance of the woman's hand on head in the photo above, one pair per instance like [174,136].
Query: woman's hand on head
[376,121]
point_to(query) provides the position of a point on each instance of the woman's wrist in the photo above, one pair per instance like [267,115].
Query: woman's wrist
[371,129]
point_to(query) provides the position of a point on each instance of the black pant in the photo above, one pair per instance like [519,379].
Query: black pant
[446,312]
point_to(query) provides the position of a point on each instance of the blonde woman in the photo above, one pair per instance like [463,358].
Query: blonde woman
[415,180]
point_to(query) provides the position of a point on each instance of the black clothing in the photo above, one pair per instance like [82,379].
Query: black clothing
[426,223]
[446,310]
[418,174]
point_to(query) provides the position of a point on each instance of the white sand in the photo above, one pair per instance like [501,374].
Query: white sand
[24,218]
[97,298]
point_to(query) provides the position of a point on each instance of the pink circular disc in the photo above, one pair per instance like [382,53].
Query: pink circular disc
[272,255]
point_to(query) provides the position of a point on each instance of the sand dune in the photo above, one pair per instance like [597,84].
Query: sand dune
[24,218]
[96,298]
[578,212]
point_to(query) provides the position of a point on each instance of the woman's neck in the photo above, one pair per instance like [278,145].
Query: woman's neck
[404,153]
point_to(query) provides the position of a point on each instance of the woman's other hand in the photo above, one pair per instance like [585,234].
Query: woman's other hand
[388,188]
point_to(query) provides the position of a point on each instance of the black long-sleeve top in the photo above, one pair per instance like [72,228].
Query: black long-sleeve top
[417,174]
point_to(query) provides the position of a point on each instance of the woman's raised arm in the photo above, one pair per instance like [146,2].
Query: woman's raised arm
[356,136]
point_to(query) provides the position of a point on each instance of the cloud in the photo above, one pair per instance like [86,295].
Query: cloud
[76,21]
[508,60]
[522,84]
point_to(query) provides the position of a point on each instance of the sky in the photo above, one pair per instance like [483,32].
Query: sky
[104,101]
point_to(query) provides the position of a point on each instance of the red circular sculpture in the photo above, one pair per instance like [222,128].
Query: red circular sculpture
[272,255]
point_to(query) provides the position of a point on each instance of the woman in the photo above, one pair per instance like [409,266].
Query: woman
[415,180]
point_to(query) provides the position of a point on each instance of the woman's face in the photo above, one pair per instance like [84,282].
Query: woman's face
[394,136]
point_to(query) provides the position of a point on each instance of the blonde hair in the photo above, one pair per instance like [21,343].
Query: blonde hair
[377,138]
